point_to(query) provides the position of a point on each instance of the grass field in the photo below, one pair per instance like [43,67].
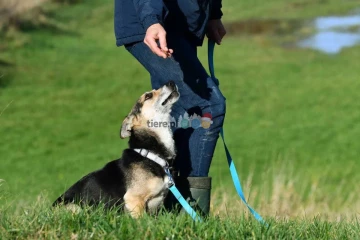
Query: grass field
[292,127]
[43,223]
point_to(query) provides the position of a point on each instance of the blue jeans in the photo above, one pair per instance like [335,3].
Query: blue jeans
[199,94]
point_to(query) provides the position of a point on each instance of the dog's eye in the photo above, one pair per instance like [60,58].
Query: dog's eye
[148,96]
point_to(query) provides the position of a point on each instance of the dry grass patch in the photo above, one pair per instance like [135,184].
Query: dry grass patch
[12,8]
[287,197]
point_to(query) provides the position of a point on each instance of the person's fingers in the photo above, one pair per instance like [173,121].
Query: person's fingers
[154,47]
[216,37]
[214,34]
[168,54]
[222,31]
[151,43]
[215,31]
[155,39]
[210,32]
[162,40]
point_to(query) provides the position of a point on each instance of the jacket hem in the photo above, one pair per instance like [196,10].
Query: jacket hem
[131,39]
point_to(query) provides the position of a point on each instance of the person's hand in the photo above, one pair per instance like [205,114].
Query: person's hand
[215,30]
[157,32]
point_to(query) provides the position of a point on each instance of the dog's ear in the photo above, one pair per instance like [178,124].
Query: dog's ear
[126,127]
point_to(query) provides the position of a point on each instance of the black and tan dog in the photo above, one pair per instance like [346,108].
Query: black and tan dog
[137,181]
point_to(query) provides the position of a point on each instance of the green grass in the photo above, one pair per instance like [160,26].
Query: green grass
[291,126]
[235,10]
[40,222]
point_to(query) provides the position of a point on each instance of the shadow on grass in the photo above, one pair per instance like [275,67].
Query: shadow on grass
[5,63]
[264,26]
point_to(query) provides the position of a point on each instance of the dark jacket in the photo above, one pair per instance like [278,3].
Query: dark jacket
[133,17]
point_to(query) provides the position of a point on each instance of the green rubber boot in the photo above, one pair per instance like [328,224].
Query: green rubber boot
[196,190]
[200,189]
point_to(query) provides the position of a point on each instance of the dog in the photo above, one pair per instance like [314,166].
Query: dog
[139,180]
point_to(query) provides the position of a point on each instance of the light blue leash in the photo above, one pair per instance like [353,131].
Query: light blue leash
[234,175]
[185,204]
[171,183]
[180,198]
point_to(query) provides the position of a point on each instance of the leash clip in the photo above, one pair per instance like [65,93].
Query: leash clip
[171,179]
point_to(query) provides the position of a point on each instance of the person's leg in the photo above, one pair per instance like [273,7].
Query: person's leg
[197,145]
[198,94]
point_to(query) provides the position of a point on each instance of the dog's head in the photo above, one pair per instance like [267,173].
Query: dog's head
[152,107]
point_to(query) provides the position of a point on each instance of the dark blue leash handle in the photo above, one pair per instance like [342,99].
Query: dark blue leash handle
[234,175]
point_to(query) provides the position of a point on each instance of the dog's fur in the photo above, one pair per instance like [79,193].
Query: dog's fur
[133,181]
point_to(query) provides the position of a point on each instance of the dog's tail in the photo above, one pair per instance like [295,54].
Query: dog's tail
[73,194]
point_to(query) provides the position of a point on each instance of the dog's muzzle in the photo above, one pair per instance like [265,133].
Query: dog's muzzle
[173,93]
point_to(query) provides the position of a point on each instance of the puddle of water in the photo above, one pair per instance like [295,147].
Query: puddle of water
[328,23]
[326,34]
[331,42]
[333,34]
